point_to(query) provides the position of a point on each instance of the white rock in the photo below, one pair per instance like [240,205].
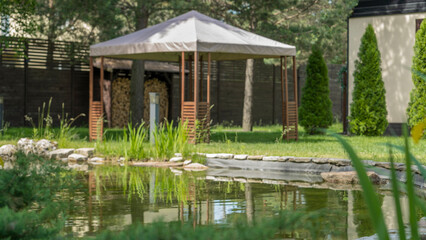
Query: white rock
[7,152]
[225,155]
[178,154]
[175,159]
[271,158]
[26,145]
[77,157]
[211,155]
[186,162]
[61,153]
[44,146]
[240,157]
[195,167]
[96,159]
[88,152]
[121,159]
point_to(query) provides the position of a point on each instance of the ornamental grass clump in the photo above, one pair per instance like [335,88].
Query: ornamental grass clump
[368,107]
[170,140]
[315,109]
[417,107]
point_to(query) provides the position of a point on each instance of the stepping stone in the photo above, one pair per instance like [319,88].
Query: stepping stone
[176,159]
[77,157]
[271,158]
[301,160]
[225,155]
[255,157]
[88,152]
[61,153]
[240,157]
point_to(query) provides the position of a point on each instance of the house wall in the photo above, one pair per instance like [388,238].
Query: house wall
[395,37]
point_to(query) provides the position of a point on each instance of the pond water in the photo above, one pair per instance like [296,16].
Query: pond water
[113,197]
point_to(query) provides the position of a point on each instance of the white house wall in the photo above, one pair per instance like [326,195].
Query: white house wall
[395,37]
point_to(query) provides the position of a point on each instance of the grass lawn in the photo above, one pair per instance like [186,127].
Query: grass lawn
[264,140]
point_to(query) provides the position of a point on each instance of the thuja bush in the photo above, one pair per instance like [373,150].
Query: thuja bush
[368,107]
[417,107]
[315,109]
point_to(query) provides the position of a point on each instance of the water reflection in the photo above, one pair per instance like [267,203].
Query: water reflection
[120,196]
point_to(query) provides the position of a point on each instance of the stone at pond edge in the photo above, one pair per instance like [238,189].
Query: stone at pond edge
[195,167]
[96,159]
[7,152]
[271,158]
[240,157]
[256,157]
[44,146]
[61,153]
[211,155]
[301,160]
[88,152]
[225,155]
[339,162]
[26,145]
[176,159]
[178,154]
[77,157]
[348,177]
[186,162]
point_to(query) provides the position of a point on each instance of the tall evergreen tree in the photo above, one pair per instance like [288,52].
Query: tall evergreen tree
[368,107]
[417,107]
[315,109]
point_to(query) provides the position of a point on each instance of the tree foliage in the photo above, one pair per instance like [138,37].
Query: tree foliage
[368,107]
[315,109]
[417,107]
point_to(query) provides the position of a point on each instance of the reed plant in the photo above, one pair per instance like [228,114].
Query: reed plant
[43,129]
[135,137]
[170,140]
[66,131]
[371,198]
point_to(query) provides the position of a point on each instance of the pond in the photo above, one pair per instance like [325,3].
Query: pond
[113,197]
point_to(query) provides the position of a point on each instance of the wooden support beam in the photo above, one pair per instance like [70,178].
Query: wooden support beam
[191,79]
[286,94]
[201,80]
[90,97]
[208,77]
[295,95]
[196,85]
[283,115]
[182,79]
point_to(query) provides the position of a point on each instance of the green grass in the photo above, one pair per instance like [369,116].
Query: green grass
[264,140]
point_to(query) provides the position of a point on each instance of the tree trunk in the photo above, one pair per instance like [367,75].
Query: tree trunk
[136,92]
[138,74]
[248,97]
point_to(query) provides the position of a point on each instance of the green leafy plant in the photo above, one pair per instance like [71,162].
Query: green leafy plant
[44,123]
[315,109]
[31,204]
[368,107]
[370,195]
[66,130]
[136,138]
[416,110]
[170,140]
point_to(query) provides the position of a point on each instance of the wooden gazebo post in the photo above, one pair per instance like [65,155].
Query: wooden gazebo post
[289,108]
[96,126]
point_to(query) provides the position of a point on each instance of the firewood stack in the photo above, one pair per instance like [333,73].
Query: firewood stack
[120,102]
[155,85]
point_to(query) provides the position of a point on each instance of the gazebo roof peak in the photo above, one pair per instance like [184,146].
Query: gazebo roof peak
[191,32]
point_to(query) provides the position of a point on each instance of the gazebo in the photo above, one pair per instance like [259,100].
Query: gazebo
[192,39]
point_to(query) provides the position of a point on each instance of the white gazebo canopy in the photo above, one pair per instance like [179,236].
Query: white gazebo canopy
[191,32]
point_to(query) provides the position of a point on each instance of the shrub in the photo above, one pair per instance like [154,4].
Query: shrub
[315,109]
[416,110]
[368,107]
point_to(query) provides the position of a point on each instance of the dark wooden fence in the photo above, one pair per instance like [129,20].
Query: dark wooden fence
[34,70]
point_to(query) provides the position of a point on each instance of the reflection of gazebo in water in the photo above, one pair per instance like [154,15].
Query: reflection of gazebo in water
[192,39]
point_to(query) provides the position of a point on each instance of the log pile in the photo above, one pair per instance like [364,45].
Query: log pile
[155,85]
[120,102]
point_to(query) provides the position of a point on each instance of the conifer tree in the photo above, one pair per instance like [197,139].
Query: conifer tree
[417,107]
[368,107]
[315,109]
